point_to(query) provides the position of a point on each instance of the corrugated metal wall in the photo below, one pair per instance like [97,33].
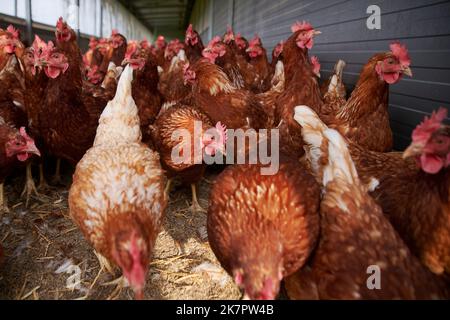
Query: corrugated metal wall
[423,25]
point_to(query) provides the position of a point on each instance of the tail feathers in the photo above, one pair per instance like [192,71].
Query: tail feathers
[10,66]
[112,74]
[278,77]
[339,68]
[180,57]
[332,87]
[336,78]
[340,163]
[326,149]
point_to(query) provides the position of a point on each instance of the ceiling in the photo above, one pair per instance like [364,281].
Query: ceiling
[167,17]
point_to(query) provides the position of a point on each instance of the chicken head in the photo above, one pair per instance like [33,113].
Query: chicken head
[21,145]
[394,64]
[306,34]
[431,143]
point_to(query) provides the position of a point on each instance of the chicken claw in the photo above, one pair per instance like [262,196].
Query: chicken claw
[120,283]
[195,207]
[29,187]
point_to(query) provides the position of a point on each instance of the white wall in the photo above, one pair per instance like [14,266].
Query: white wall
[115,16]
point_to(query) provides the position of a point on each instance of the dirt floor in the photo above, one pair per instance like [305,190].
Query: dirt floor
[44,251]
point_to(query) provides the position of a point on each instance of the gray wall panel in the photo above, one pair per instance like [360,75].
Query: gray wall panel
[423,25]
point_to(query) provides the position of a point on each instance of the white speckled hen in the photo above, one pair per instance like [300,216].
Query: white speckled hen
[117,197]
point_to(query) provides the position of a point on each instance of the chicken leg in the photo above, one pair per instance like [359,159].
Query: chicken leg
[30,187]
[42,182]
[105,265]
[3,202]
[167,188]
[57,177]
[195,205]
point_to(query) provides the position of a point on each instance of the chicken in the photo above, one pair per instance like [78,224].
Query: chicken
[15,148]
[241,43]
[364,119]
[66,124]
[355,237]
[193,45]
[35,82]
[277,54]
[70,111]
[11,78]
[215,95]
[96,59]
[301,87]
[160,47]
[236,67]
[145,86]
[408,188]
[269,98]
[172,49]
[118,43]
[117,197]
[177,119]
[261,66]
[263,228]
[171,83]
[11,111]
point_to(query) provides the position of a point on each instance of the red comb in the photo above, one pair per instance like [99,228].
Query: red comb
[256,41]
[14,32]
[222,130]
[60,23]
[114,32]
[145,44]
[429,125]
[38,43]
[213,42]
[190,28]
[131,49]
[301,26]
[401,53]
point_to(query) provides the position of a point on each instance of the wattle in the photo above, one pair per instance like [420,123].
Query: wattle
[431,164]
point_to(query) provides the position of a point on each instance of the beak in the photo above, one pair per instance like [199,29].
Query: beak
[31,148]
[246,297]
[317,32]
[407,71]
[413,150]
[138,294]
[125,62]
